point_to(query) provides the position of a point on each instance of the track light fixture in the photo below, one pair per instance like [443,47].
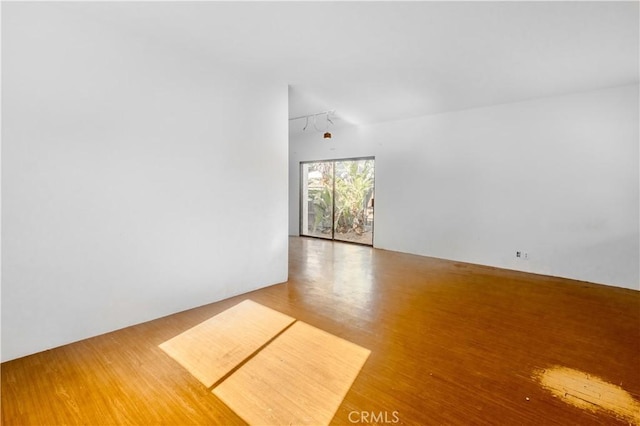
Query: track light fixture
[327,114]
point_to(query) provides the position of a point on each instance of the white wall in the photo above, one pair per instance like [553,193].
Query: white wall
[555,177]
[132,185]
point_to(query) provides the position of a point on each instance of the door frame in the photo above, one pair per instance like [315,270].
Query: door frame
[333,209]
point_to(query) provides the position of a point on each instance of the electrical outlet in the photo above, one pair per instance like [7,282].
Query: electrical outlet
[526,255]
[518,254]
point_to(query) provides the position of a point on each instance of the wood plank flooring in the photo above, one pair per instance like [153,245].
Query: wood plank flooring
[451,343]
[300,378]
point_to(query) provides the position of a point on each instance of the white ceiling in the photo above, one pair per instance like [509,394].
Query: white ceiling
[377,61]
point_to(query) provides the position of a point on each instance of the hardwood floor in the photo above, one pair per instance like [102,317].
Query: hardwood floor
[450,343]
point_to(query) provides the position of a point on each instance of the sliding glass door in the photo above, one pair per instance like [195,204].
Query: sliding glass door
[337,199]
[316,208]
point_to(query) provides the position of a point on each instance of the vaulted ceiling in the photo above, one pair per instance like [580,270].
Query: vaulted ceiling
[378,61]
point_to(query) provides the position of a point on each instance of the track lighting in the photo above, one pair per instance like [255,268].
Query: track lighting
[328,114]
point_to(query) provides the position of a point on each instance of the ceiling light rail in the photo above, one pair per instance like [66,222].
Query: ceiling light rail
[328,113]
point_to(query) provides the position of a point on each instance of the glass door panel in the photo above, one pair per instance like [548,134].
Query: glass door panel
[316,210]
[353,194]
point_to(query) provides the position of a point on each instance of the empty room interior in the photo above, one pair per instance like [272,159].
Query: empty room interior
[282,213]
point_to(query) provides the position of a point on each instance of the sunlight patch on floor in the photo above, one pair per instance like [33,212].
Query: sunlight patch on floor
[588,392]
